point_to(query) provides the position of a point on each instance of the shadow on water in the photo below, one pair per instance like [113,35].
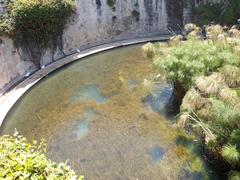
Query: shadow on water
[162,101]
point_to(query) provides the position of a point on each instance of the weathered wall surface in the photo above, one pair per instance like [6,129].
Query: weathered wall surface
[96,23]
[11,66]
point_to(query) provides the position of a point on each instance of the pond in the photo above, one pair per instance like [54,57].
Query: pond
[92,114]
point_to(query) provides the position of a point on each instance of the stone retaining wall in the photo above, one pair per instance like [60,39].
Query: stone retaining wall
[96,23]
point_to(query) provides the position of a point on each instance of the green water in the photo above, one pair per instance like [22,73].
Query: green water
[92,113]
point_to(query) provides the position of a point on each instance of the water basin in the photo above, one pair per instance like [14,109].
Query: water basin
[91,112]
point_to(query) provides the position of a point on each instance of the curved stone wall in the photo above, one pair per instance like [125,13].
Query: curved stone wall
[96,23]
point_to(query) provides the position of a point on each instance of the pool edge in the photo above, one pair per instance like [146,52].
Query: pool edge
[9,98]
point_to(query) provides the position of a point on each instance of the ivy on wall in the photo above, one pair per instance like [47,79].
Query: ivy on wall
[36,25]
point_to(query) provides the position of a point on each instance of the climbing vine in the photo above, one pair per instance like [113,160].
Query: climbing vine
[36,25]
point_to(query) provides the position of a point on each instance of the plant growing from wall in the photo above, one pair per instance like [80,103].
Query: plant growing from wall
[22,160]
[36,26]
[136,14]
[111,3]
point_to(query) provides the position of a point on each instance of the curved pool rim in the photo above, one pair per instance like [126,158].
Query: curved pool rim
[16,92]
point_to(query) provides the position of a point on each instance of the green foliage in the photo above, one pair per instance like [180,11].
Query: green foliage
[232,75]
[111,3]
[218,12]
[224,119]
[209,72]
[234,175]
[36,25]
[223,112]
[136,14]
[196,165]
[182,62]
[231,154]
[22,160]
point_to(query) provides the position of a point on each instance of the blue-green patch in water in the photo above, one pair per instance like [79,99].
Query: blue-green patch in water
[89,114]
[90,92]
[81,129]
[157,154]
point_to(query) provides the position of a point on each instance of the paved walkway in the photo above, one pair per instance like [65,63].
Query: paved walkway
[8,99]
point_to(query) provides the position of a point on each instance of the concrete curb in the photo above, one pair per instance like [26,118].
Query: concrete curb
[8,99]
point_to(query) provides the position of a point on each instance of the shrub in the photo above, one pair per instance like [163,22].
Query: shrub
[208,71]
[22,160]
[36,25]
[231,154]
[183,62]
[231,75]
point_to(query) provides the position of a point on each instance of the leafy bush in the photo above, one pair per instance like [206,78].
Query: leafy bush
[182,62]
[36,25]
[21,160]
[231,154]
